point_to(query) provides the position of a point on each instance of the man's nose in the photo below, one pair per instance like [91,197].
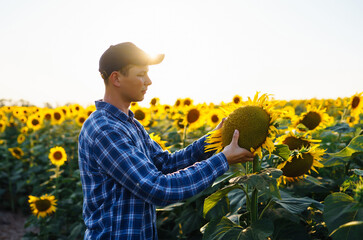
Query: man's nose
[148,81]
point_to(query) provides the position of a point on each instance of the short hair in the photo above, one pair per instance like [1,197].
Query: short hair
[124,71]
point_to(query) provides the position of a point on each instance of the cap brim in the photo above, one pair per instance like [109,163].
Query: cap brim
[156,59]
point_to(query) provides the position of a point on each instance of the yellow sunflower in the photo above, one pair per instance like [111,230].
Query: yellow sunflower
[304,156]
[2,125]
[58,116]
[338,102]
[75,109]
[178,103]
[237,99]
[214,117]
[42,206]
[23,119]
[57,156]
[21,138]
[352,120]
[356,104]
[18,112]
[66,111]
[157,139]
[3,115]
[295,141]
[81,118]
[187,102]
[24,130]
[48,114]
[154,101]
[178,122]
[34,122]
[90,109]
[255,122]
[16,152]
[193,117]
[157,111]
[313,119]
[142,115]
[7,109]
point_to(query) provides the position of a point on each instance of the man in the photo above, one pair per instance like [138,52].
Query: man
[124,173]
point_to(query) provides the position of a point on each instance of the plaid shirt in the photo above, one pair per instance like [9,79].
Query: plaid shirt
[125,174]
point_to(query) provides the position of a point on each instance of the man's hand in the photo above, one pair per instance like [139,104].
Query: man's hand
[236,154]
[220,124]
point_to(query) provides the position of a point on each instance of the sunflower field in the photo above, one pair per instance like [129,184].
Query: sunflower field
[305,182]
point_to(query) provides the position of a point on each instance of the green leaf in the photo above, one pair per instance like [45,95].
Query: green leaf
[218,231]
[259,179]
[286,230]
[282,150]
[237,199]
[297,205]
[358,172]
[355,146]
[334,161]
[341,209]
[213,199]
[350,224]
[227,230]
[225,177]
[264,181]
[314,180]
[77,231]
[341,128]
[262,229]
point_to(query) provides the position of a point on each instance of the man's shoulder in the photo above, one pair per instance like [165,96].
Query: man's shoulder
[100,122]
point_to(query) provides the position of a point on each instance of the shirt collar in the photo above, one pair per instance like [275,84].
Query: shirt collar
[101,105]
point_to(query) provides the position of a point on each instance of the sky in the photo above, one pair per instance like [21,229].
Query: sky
[49,49]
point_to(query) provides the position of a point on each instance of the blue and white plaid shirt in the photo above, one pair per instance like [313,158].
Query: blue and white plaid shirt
[125,174]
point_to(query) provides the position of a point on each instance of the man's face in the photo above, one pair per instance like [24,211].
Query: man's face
[134,86]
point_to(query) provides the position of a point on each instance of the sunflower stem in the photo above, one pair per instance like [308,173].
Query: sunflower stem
[12,204]
[56,181]
[270,202]
[256,167]
[185,136]
[254,206]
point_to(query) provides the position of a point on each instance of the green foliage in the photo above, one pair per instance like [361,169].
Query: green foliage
[248,202]
[343,215]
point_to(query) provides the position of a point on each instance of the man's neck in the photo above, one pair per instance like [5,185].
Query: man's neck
[122,105]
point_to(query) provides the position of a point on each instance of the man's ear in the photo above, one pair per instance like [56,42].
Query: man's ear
[115,78]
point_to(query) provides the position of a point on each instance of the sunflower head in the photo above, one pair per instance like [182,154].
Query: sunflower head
[304,156]
[237,99]
[57,156]
[141,114]
[90,109]
[313,119]
[58,116]
[42,206]
[16,152]
[187,102]
[2,126]
[356,104]
[35,122]
[154,101]
[21,138]
[252,123]
[214,117]
[255,123]
[298,165]
[81,118]
[295,143]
